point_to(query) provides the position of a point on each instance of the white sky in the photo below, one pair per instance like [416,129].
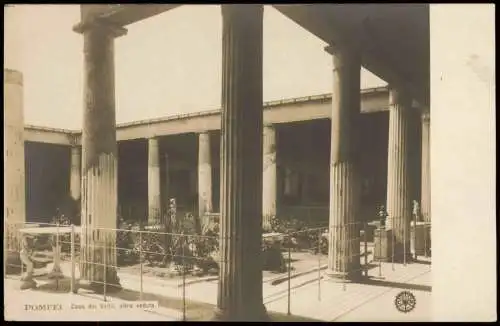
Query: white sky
[165,65]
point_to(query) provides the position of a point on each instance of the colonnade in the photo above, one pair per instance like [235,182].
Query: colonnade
[247,162]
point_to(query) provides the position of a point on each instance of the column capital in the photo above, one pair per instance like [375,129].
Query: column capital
[101,25]
[343,52]
[342,46]
[425,116]
[343,56]
[330,49]
[73,140]
[399,95]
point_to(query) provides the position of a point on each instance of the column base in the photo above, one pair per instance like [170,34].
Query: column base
[112,284]
[423,253]
[400,258]
[421,238]
[344,277]
[55,273]
[110,288]
[257,314]
[28,283]
[383,245]
[266,223]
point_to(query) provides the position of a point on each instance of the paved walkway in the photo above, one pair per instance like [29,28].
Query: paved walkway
[329,301]
[373,301]
[324,300]
[25,306]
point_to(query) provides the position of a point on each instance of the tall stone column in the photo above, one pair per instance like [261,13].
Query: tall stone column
[165,191]
[398,175]
[344,239]
[426,168]
[99,157]
[154,194]
[240,276]
[204,176]
[14,170]
[76,176]
[269,177]
[192,187]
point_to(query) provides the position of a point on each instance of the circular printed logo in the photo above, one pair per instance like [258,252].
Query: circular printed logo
[405,301]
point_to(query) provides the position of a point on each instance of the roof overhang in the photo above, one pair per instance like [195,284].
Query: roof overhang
[393,39]
[122,15]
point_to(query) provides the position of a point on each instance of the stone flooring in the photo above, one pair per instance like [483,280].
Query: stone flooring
[372,300]
[323,300]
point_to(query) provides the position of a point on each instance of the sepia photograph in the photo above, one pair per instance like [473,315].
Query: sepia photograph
[249,162]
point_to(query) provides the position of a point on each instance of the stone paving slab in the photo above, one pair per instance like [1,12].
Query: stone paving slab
[351,304]
[382,308]
[324,300]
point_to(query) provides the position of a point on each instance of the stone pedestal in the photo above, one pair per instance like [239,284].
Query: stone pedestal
[383,245]
[421,241]
[370,232]
[240,276]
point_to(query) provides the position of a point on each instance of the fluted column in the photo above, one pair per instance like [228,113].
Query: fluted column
[76,175]
[343,250]
[240,276]
[99,156]
[204,175]
[426,171]
[14,170]
[269,177]
[154,201]
[398,174]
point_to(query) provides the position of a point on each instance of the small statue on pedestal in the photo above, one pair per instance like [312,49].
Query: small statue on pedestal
[382,214]
[416,211]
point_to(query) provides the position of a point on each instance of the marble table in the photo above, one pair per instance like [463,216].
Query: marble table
[32,232]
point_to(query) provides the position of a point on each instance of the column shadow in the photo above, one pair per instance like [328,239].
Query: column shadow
[396,285]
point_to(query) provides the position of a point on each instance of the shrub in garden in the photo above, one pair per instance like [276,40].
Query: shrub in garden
[153,246]
[272,256]
[193,249]
[301,237]
[208,248]
[126,243]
